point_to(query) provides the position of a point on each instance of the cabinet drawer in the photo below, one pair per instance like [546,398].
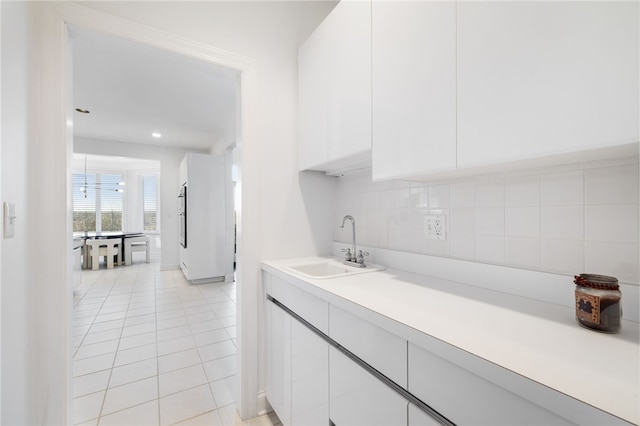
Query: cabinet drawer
[307,306]
[481,393]
[384,351]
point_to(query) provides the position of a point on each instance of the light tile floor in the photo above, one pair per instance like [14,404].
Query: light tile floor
[152,349]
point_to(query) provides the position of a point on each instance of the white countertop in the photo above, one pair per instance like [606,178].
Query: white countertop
[538,340]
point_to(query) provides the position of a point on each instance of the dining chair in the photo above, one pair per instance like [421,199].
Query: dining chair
[139,243]
[109,248]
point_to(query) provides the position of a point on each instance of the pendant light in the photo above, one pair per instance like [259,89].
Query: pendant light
[98,185]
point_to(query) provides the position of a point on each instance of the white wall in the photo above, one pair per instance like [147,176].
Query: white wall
[17,309]
[568,219]
[169,159]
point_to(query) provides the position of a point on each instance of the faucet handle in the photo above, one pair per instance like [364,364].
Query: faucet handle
[347,252]
[361,255]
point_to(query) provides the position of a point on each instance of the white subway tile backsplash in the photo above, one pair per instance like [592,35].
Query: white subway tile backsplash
[462,246]
[562,256]
[371,201]
[490,249]
[462,221]
[523,252]
[566,219]
[616,259]
[419,198]
[438,248]
[612,223]
[401,198]
[612,185]
[522,222]
[386,199]
[489,221]
[489,194]
[562,189]
[522,191]
[439,196]
[562,222]
[462,195]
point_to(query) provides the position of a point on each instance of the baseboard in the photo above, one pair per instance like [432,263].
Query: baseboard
[207,280]
[169,267]
[263,405]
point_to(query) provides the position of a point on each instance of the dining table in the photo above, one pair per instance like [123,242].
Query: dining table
[98,235]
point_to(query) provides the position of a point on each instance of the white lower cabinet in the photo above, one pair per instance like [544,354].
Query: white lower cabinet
[359,398]
[309,377]
[471,391]
[467,399]
[358,373]
[297,372]
[278,360]
[379,348]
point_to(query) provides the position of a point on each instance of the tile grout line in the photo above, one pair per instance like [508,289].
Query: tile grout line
[221,296]
[100,415]
[155,304]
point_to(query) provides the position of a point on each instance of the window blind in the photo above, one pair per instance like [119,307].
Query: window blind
[111,202]
[150,202]
[84,203]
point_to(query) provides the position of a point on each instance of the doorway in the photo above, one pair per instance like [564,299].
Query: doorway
[98,137]
[52,162]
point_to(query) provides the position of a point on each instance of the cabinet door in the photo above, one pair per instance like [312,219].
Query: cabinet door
[542,78]
[309,377]
[358,398]
[313,88]
[384,351]
[334,89]
[413,88]
[349,35]
[278,361]
[468,399]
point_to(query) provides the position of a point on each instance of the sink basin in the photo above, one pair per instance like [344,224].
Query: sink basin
[330,269]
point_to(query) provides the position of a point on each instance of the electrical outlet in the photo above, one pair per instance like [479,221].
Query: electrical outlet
[435,227]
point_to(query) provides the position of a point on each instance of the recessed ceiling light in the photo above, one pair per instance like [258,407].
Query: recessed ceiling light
[156,135]
[84,111]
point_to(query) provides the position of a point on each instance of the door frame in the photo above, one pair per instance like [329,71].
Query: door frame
[52,173]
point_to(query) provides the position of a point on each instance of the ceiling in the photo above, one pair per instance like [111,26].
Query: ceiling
[133,90]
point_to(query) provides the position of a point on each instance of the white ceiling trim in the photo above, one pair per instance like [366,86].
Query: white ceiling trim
[98,21]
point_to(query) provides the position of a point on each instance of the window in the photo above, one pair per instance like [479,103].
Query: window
[110,202]
[84,202]
[150,202]
[97,202]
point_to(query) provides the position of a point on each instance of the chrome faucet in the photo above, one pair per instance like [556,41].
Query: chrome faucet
[351,258]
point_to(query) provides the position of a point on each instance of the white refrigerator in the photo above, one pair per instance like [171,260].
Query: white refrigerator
[202,217]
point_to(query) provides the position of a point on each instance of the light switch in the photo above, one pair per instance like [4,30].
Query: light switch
[9,219]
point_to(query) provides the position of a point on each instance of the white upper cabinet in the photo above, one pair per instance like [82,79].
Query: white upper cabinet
[545,78]
[313,100]
[413,88]
[334,78]
[350,79]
